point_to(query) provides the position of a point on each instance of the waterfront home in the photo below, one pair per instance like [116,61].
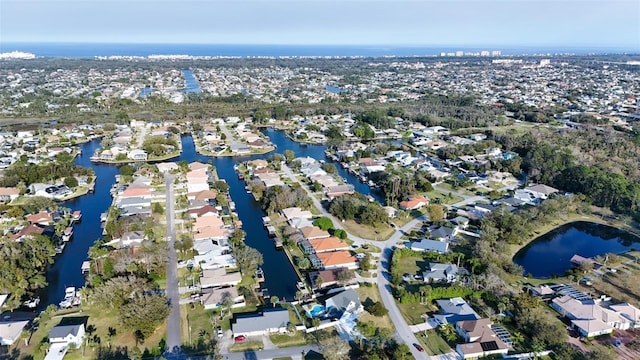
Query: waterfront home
[592,317]
[215,298]
[32,229]
[338,259]
[296,212]
[67,334]
[219,277]
[137,155]
[167,167]
[257,164]
[204,211]
[202,195]
[129,239]
[480,339]
[42,217]
[429,245]
[328,244]
[10,330]
[325,278]
[454,310]
[333,192]
[414,202]
[314,232]
[441,273]
[267,322]
[299,223]
[269,179]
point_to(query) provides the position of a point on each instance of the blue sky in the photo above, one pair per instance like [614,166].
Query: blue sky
[586,23]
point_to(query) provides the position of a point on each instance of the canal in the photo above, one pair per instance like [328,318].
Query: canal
[280,276]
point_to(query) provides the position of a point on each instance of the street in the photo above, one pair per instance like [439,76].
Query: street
[173,323]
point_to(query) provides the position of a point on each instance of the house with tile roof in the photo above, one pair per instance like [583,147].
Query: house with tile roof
[331,243]
[337,259]
[314,232]
[414,202]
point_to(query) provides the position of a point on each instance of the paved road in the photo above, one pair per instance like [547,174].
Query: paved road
[173,323]
[293,352]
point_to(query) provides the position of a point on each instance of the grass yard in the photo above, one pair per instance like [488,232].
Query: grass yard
[411,265]
[444,198]
[413,312]
[366,294]
[100,317]
[199,322]
[379,232]
[247,346]
[433,343]
[288,340]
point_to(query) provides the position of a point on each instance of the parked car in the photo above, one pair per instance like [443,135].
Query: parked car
[239,338]
[219,332]
[419,347]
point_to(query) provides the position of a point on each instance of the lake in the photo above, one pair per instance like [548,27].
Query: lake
[550,253]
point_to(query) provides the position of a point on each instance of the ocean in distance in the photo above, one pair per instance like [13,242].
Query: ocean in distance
[90,50]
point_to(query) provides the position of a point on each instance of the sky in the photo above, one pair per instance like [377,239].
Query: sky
[574,23]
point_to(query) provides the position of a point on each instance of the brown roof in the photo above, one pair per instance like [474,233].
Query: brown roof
[334,258]
[135,192]
[203,210]
[40,217]
[205,195]
[328,244]
[198,166]
[29,230]
[313,232]
[9,191]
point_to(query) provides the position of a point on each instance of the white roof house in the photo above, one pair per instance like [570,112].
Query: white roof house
[67,334]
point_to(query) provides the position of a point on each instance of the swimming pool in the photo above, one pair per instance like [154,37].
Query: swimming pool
[316,311]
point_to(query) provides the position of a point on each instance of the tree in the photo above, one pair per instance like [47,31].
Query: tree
[274,300]
[144,313]
[365,262]
[71,181]
[248,258]
[340,234]
[289,155]
[158,208]
[436,212]
[345,276]
[323,223]
[376,309]
[333,348]
[126,170]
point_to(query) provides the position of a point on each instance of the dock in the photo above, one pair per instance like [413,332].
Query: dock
[86,267]
[277,242]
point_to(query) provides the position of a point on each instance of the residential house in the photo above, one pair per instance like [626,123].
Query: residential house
[480,339]
[325,278]
[441,273]
[338,190]
[314,232]
[430,245]
[331,243]
[264,323]
[9,193]
[67,334]
[414,202]
[219,277]
[215,298]
[337,259]
[454,310]
[138,155]
[443,233]
[10,330]
[296,212]
[345,302]
[591,318]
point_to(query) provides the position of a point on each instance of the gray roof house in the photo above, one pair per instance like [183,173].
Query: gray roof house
[443,233]
[341,303]
[67,334]
[454,310]
[441,273]
[269,321]
[430,245]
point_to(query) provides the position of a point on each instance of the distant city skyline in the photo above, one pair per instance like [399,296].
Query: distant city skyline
[470,23]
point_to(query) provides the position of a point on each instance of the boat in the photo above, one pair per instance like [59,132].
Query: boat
[32,303]
[58,249]
[77,215]
[68,233]
[240,177]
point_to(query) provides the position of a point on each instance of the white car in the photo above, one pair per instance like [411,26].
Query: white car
[220,333]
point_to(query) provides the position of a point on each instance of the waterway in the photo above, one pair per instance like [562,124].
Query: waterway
[280,275]
[193,86]
[549,254]
[65,270]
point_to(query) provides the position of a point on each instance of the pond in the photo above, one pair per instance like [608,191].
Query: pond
[549,254]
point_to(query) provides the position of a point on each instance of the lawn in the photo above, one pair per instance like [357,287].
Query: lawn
[99,316]
[443,198]
[196,322]
[378,232]
[411,265]
[413,312]
[247,346]
[367,294]
[433,343]
[287,340]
